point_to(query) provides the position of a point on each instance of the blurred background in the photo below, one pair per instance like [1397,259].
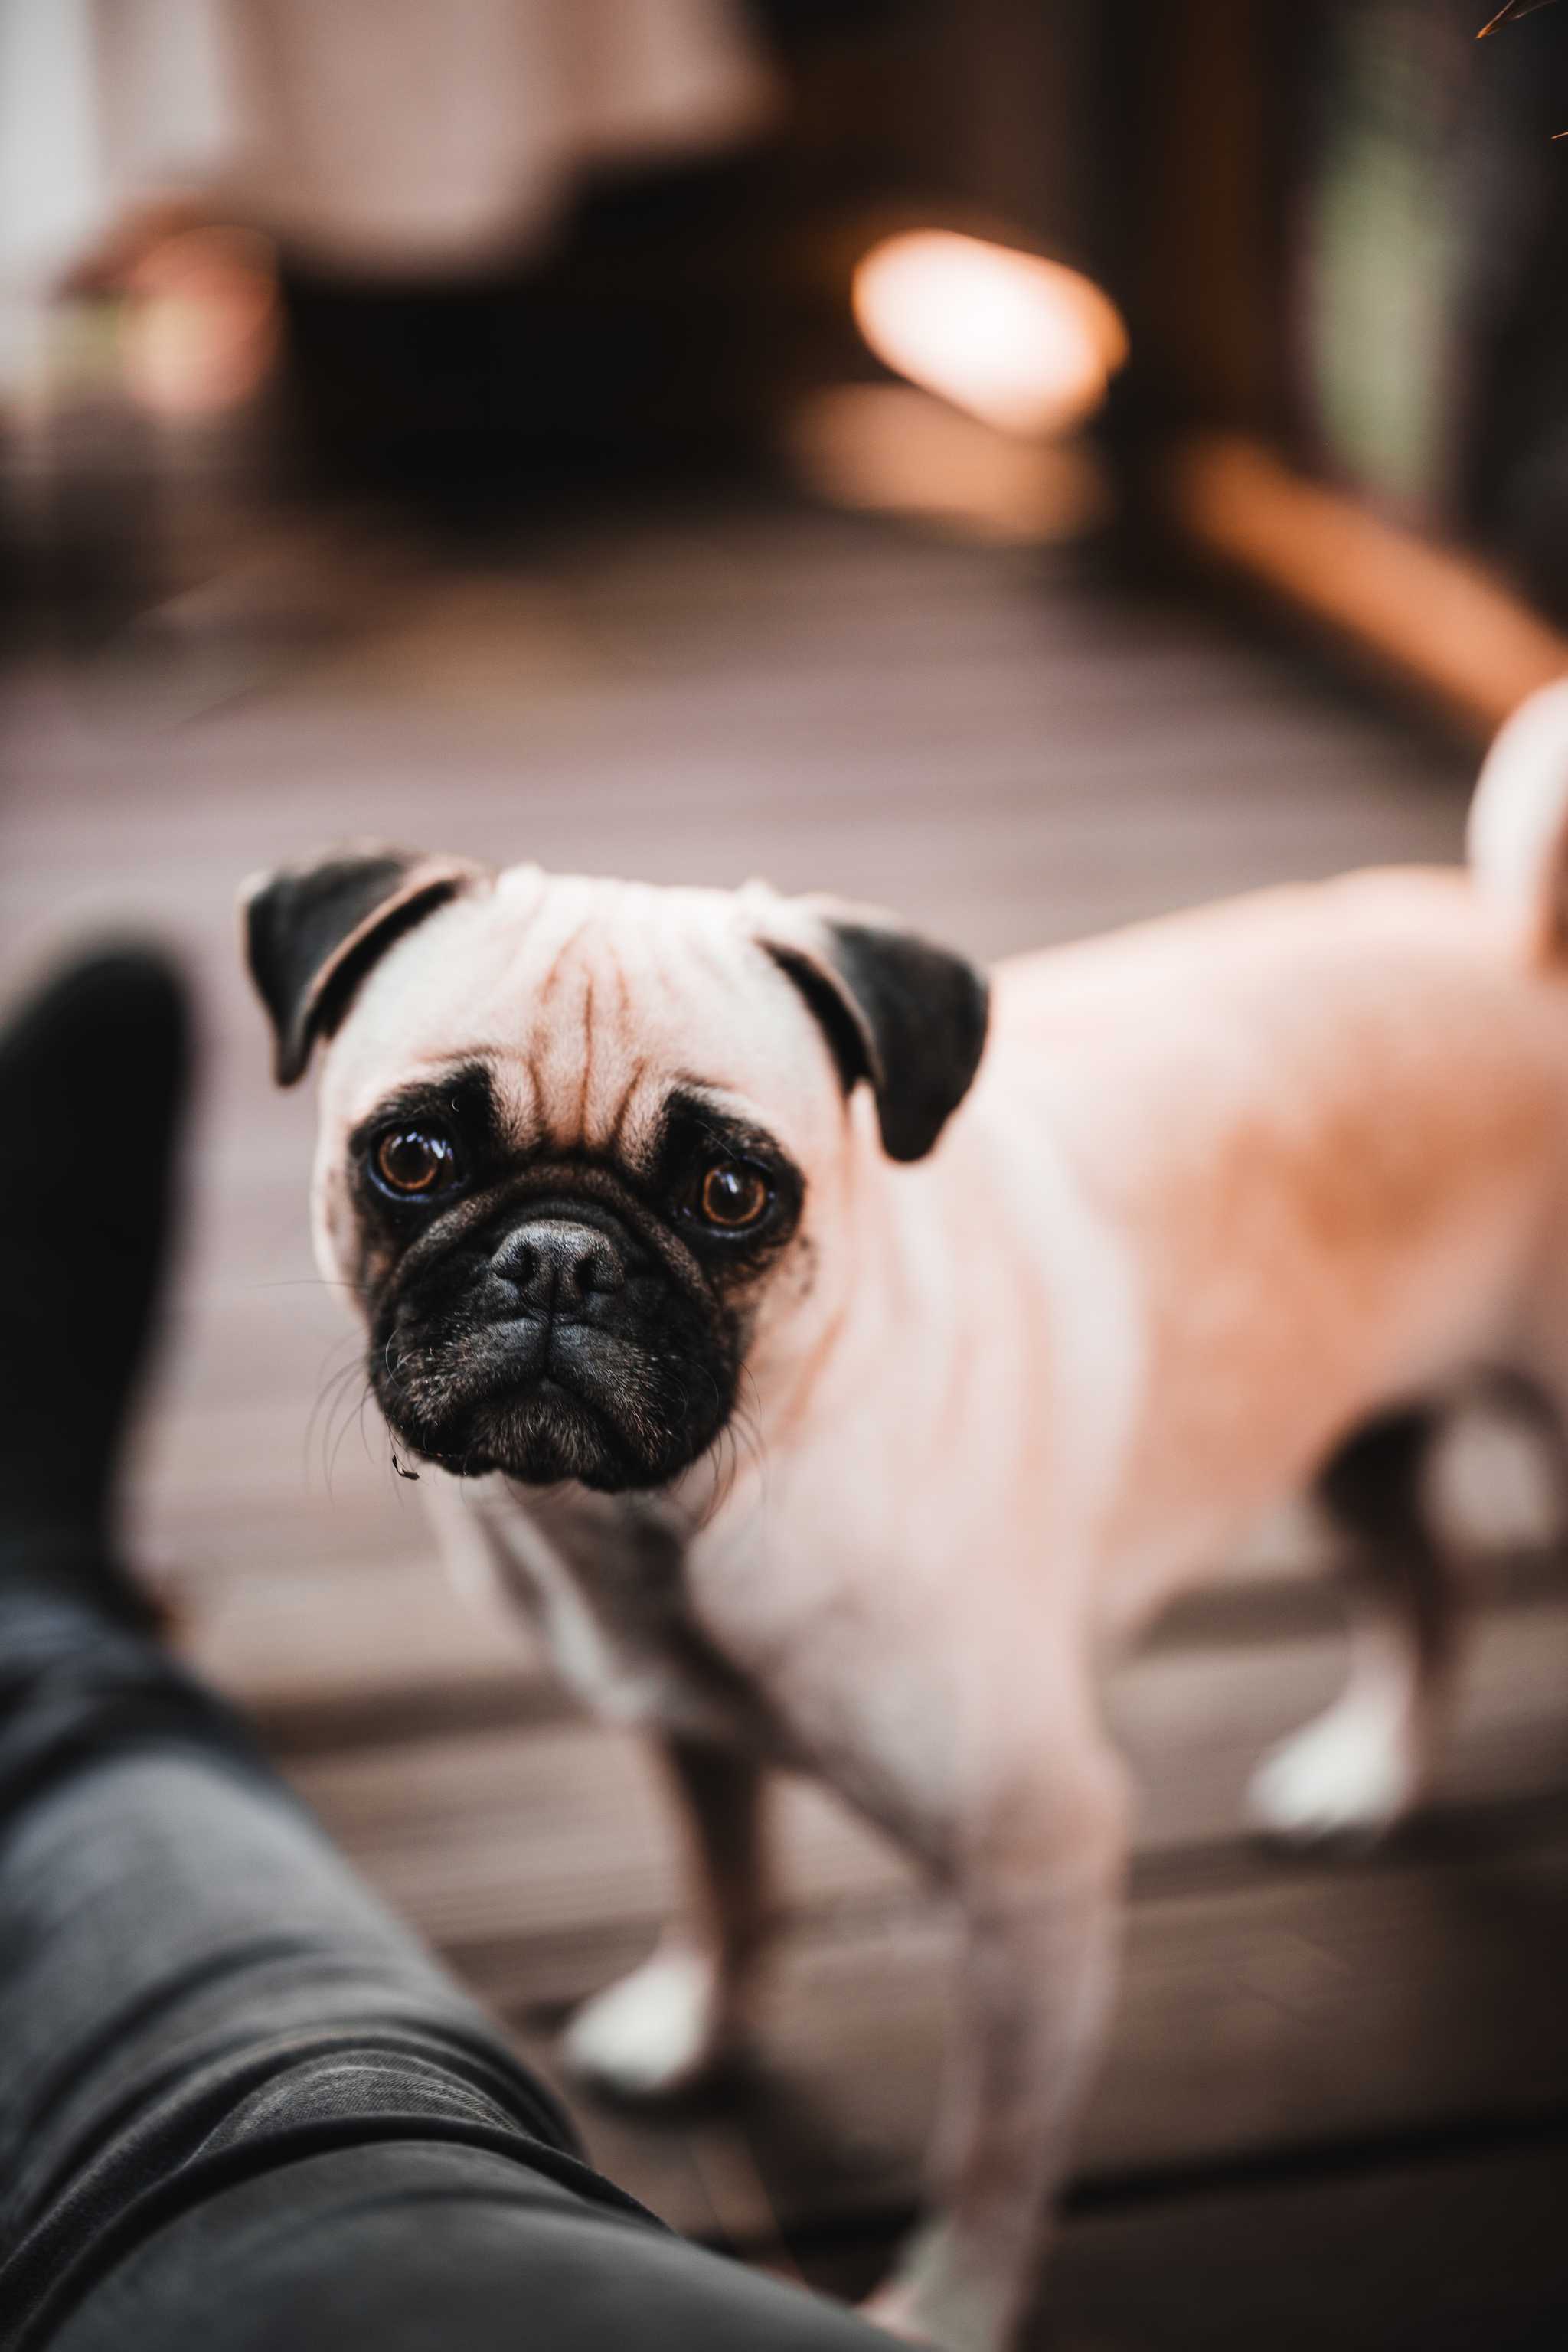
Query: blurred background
[1030,465]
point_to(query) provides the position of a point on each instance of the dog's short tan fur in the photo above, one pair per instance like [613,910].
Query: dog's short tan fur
[1224,1187]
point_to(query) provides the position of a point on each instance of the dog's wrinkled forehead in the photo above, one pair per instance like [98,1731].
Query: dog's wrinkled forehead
[586,1001]
[583,1000]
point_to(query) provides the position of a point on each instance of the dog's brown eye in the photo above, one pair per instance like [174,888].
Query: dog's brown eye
[733,1194]
[414,1163]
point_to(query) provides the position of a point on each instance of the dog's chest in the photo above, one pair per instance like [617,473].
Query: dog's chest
[607,1590]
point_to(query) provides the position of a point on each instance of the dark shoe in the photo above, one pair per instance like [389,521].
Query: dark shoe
[93,1077]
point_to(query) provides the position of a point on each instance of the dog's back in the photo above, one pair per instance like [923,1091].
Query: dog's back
[1329,1126]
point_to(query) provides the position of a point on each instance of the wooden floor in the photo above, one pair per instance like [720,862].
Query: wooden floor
[1336,2108]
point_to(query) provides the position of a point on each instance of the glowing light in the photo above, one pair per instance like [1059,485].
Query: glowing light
[202,322]
[1025,344]
[885,449]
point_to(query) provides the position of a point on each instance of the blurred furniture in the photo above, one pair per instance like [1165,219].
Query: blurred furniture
[373,135]
[1343,245]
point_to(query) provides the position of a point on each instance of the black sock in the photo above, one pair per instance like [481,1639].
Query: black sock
[92,1084]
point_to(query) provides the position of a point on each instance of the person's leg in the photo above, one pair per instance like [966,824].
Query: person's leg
[239,2103]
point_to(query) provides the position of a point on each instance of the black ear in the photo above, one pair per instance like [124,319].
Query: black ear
[313,932]
[906,1016]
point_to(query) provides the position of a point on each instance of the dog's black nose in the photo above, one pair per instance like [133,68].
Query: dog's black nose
[556,1266]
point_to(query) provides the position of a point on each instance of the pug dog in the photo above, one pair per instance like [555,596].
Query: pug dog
[836,1350]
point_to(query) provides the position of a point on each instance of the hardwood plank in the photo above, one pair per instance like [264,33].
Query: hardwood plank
[1348,2010]
[1437,2256]
[366,1653]
[1437,2252]
[1334,2015]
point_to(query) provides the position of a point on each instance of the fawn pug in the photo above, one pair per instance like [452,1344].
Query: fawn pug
[835,1349]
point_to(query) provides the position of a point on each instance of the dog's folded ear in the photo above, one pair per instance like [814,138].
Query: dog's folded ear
[908,1017]
[312,931]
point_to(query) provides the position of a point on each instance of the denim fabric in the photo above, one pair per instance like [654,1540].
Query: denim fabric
[239,2104]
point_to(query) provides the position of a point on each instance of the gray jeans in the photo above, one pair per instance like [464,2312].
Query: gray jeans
[239,2105]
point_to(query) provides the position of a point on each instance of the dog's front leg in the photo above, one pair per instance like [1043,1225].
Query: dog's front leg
[1040,1881]
[678,2015]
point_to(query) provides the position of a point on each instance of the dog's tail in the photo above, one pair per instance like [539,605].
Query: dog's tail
[1519,824]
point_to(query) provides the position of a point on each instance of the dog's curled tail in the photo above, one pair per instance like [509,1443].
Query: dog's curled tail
[1519,824]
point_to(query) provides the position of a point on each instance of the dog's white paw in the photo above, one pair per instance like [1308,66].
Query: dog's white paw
[1351,1775]
[892,2308]
[655,2034]
[937,2298]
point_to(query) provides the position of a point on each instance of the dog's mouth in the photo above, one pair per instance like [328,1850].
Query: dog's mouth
[559,1403]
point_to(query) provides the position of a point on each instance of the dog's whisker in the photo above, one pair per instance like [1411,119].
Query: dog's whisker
[327,1401]
[352,1412]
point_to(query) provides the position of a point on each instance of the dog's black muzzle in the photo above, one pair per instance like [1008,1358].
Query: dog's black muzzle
[551,1340]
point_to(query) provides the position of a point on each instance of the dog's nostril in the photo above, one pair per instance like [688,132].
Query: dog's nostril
[517,1263]
[556,1266]
[600,1269]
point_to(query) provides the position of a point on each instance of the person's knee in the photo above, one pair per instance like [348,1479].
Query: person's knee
[420,2248]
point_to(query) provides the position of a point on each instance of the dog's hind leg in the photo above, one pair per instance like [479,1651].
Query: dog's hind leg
[1355,1770]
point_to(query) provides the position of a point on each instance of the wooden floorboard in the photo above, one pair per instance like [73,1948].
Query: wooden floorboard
[1283,2023]
[1435,2250]
[1443,2254]
[1011,757]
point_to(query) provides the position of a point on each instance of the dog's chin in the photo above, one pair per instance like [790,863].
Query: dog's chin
[544,1434]
[547,1437]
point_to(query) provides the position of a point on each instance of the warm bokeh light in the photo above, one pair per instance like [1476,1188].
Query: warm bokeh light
[203,321]
[885,449]
[1026,344]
